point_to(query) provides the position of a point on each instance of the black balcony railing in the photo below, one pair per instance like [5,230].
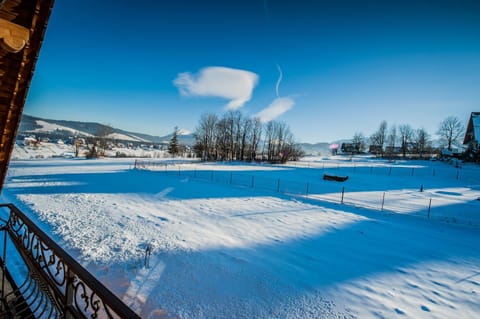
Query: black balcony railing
[54,285]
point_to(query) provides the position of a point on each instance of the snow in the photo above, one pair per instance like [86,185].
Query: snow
[184,132]
[42,150]
[124,137]
[49,150]
[51,127]
[225,249]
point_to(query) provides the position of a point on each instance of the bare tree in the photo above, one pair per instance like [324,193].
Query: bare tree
[246,131]
[379,138]
[269,140]
[421,141]
[256,136]
[102,138]
[406,135]
[358,142]
[205,136]
[391,140]
[237,119]
[281,133]
[237,137]
[450,130]
[223,139]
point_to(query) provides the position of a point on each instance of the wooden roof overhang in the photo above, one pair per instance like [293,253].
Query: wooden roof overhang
[22,27]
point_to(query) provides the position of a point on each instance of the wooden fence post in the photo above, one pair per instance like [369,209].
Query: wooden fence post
[429,207]
[383,200]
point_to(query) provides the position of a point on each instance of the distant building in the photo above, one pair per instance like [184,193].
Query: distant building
[473,129]
[375,149]
[472,135]
[350,148]
[79,142]
[30,141]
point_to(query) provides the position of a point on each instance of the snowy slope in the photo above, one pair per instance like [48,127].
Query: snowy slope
[125,137]
[223,250]
[65,129]
[46,127]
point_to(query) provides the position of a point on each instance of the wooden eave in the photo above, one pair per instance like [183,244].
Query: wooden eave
[22,27]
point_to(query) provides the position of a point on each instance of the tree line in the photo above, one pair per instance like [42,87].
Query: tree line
[404,139]
[234,136]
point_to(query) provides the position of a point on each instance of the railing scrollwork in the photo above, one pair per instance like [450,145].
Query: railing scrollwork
[72,291]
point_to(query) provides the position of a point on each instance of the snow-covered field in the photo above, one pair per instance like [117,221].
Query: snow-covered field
[47,150]
[261,241]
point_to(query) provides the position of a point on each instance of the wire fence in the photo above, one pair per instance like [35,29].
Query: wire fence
[437,204]
[451,170]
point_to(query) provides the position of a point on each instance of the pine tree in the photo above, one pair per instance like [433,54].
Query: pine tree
[173,146]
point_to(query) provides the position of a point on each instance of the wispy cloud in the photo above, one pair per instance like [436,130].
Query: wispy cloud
[279,106]
[280,77]
[232,84]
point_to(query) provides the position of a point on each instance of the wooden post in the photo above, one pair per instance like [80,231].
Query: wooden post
[343,192]
[429,207]
[135,165]
[413,169]
[383,200]
[457,172]
[148,252]
[390,171]
[306,193]
[4,265]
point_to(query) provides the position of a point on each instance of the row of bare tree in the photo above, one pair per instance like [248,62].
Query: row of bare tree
[385,140]
[236,137]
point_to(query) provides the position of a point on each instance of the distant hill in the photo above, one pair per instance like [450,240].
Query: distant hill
[65,129]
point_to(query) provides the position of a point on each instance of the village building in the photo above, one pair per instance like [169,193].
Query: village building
[473,129]
[472,134]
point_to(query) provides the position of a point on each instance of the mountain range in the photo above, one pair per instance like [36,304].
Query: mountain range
[31,125]
[65,129]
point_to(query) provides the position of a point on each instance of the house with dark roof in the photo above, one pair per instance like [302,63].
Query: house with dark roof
[473,129]
[472,135]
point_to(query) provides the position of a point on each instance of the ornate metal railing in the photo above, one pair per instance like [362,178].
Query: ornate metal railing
[56,285]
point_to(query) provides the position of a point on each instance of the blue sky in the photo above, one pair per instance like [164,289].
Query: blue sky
[326,68]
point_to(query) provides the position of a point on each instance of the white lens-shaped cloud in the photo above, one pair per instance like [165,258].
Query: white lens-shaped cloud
[231,84]
[275,109]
